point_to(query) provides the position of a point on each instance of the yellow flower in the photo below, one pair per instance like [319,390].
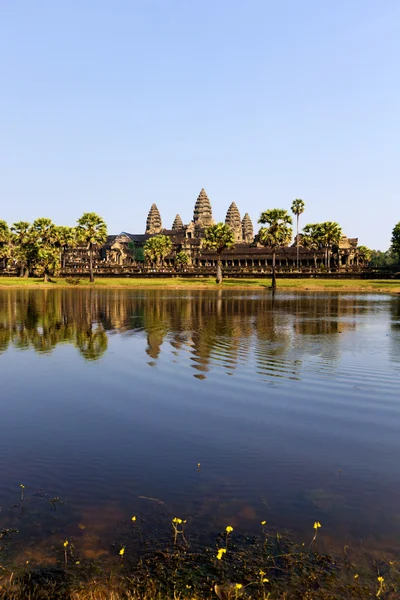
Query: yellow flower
[238,586]
[65,543]
[134,518]
[198,465]
[21,485]
[229,529]
[265,580]
[220,553]
[356,576]
[189,587]
[381,579]
[176,520]
[317,525]
[263,522]
[122,552]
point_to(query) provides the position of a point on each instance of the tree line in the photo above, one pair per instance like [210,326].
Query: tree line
[40,248]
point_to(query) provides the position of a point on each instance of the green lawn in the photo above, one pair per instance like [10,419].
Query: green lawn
[367,285]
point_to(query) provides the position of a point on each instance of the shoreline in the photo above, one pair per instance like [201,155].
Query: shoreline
[391,286]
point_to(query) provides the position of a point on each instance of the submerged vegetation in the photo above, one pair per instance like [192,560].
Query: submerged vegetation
[170,559]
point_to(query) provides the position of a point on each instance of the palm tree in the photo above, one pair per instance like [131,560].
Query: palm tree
[219,237]
[277,234]
[312,240]
[330,232]
[298,207]
[364,253]
[157,248]
[181,259]
[22,247]
[46,257]
[91,231]
[65,240]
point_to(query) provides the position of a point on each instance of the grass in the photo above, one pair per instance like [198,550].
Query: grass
[307,284]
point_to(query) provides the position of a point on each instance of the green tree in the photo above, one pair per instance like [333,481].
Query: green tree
[395,241]
[181,259]
[66,238]
[45,256]
[312,239]
[22,247]
[365,253]
[5,236]
[298,207]
[330,233]
[277,234]
[219,237]
[91,231]
[382,260]
[157,248]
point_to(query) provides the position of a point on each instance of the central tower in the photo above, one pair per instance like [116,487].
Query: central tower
[202,215]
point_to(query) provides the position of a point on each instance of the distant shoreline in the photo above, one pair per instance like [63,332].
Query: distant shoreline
[307,284]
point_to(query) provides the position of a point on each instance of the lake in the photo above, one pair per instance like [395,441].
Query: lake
[219,406]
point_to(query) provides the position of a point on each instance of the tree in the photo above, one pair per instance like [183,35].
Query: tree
[382,260]
[330,233]
[181,259]
[278,233]
[219,237]
[5,236]
[157,248]
[298,207]
[365,253]
[91,231]
[66,238]
[395,241]
[45,256]
[22,247]
[311,239]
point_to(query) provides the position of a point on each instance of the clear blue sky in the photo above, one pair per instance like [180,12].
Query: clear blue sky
[109,106]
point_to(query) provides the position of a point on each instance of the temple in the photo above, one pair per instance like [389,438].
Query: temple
[124,252]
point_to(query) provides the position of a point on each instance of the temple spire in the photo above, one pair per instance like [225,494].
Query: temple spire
[234,221]
[202,215]
[247,229]
[153,223]
[177,224]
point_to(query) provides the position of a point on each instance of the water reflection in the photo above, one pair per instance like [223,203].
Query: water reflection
[217,328]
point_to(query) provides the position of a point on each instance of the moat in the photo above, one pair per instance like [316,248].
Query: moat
[222,407]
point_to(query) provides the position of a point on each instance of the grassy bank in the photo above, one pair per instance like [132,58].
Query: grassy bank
[346,285]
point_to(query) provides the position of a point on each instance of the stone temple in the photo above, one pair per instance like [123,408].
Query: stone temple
[125,251]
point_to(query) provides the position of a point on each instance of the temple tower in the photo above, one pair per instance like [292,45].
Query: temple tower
[247,229]
[202,215]
[234,221]
[153,223]
[177,224]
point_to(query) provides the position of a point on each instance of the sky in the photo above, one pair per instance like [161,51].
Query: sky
[109,106]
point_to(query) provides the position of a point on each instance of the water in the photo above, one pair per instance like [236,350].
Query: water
[110,399]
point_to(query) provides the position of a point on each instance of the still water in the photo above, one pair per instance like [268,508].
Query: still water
[110,399]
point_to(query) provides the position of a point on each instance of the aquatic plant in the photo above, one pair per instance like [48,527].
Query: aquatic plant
[316,526]
[381,582]
[65,552]
[176,522]
[228,530]
[21,485]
